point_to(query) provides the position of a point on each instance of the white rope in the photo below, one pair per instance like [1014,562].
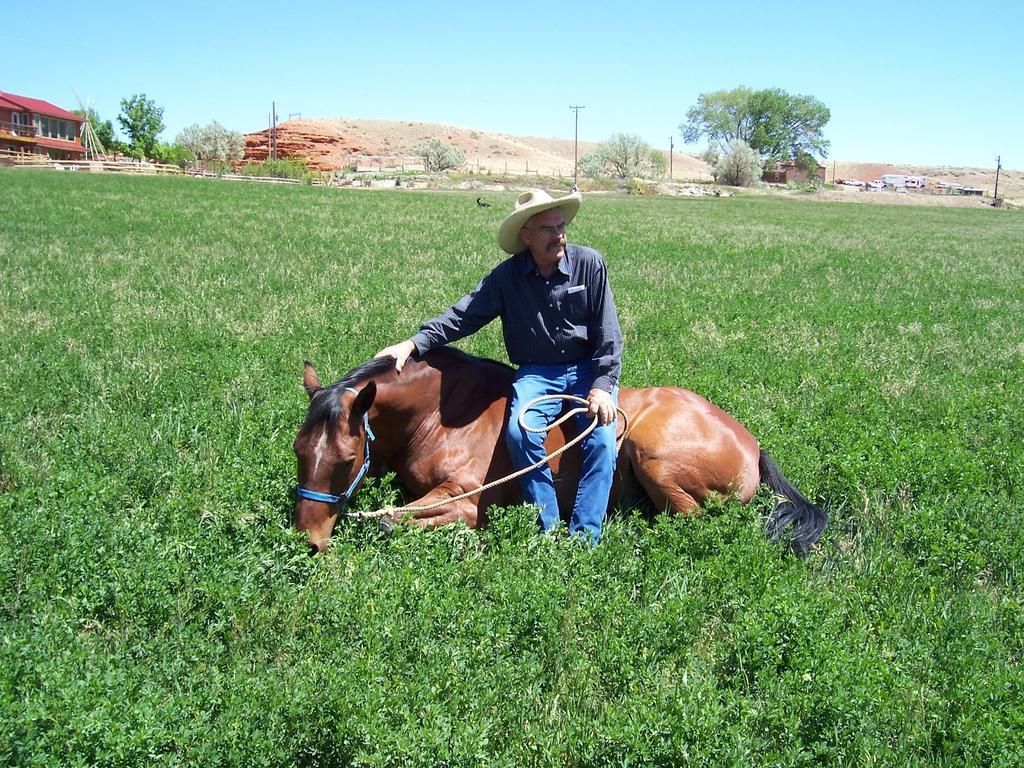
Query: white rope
[444,502]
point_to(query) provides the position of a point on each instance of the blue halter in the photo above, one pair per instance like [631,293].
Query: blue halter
[330,498]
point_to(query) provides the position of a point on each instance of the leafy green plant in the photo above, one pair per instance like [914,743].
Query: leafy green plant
[157,607]
[282,168]
[635,186]
[171,154]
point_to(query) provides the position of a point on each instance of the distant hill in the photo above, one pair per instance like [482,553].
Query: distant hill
[338,143]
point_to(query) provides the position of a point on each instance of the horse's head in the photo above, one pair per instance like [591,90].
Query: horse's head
[332,449]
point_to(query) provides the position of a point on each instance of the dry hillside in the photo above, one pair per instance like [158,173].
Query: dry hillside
[338,143]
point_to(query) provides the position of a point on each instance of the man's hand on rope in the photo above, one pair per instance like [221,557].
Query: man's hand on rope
[601,405]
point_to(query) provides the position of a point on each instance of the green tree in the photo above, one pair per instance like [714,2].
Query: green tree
[721,116]
[775,124]
[142,120]
[659,162]
[808,163]
[438,156]
[709,155]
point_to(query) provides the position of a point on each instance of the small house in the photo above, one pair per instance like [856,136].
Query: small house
[788,171]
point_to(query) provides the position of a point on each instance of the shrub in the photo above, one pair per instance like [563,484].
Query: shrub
[637,186]
[593,165]
[624,156]
[438,156]
[627,155]
[281,168]
[219,166]
[171,154]
[739,166]
[211,142]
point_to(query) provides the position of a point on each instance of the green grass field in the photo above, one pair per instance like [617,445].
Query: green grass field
[157,609]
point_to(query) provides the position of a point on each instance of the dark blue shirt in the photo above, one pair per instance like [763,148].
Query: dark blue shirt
[567,317]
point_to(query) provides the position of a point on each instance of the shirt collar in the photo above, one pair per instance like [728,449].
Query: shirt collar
[564,264]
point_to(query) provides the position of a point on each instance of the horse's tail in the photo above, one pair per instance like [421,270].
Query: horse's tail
[791,509]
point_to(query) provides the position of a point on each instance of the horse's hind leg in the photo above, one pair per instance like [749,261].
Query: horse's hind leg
[660,484]
[667,498]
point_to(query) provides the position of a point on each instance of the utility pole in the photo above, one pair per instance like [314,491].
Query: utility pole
[575,149]
[671,149]
[999,164]
[273,130]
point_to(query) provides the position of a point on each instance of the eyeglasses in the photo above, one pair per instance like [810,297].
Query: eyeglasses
[549,231]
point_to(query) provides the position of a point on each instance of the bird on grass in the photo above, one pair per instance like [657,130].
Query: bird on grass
[480,202]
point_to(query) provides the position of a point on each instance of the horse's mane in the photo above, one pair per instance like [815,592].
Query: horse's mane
[326,406]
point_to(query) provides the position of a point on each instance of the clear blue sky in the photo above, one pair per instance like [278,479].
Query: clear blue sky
[907,82]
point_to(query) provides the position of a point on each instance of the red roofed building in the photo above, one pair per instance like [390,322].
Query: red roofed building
[38,127]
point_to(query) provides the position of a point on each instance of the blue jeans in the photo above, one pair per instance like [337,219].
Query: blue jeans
[526,447]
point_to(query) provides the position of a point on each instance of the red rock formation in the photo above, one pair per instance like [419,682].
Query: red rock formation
[321,145]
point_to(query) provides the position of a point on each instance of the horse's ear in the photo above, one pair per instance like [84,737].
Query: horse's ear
[310,380]
[364,399]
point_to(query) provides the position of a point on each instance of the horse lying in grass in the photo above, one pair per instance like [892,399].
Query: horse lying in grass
[440,427]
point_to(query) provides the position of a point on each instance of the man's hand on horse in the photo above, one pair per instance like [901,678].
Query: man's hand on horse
[602,406]
[399,351]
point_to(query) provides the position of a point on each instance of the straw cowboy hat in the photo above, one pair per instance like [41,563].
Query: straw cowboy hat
[529,204]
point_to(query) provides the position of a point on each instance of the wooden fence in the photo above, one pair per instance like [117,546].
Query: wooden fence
[23,159]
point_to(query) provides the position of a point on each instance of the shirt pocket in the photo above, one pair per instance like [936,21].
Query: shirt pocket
[575,302]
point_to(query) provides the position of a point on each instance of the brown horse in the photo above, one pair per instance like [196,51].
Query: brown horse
[439,425]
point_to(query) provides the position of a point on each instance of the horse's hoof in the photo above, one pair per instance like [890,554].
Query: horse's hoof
[386,526]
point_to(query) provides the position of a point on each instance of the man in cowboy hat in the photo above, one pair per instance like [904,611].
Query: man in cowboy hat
[561,330]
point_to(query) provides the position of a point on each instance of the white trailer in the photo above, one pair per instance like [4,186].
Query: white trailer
[904,181]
